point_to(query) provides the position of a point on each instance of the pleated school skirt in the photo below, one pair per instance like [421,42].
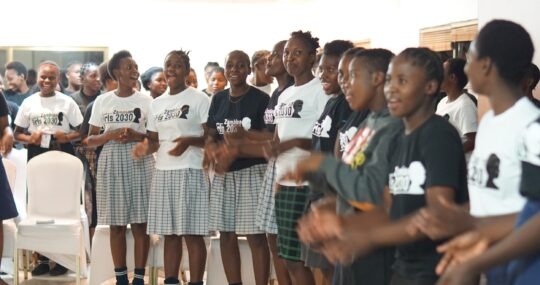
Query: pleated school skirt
[123,185]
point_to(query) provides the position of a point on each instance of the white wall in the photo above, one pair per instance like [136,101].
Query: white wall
[211,28]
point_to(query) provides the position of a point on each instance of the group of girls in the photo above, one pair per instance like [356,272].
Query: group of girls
[349,171]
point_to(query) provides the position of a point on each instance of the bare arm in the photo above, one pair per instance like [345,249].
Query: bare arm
[469,143]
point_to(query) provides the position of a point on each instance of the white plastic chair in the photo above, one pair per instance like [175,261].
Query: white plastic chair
[53,224]
[9,227]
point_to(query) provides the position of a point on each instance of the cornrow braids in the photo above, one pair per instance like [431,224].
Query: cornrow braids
[337,47]
[184,55]
[428,60]
[311,42]
[85,67]
[376,59]
[114,62]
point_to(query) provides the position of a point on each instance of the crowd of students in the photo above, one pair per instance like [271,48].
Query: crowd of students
[357,169]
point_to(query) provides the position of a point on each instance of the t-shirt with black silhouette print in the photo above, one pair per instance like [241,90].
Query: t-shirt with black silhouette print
[530,161]
[269,116]
[335,114]
[349,129]
[112,112]
[431,155]
[298,109]
[495,167]
[227,114]
[49,114]
[179,115]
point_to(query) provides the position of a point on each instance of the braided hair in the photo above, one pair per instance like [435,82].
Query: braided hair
[184,55]
[428,60]
[311,42]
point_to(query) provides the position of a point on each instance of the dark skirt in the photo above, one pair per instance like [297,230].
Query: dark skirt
[8,209]
[290,205]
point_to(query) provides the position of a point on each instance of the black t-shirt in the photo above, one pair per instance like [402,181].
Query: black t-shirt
[269,118]
[335,114]
[226,114]
[349,129]
[4,111]
[432,155]
[530,162]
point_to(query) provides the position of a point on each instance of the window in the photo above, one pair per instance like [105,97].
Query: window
[31,57]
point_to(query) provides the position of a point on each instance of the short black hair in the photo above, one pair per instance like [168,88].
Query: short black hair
[428,60]
[85,67]
[218,69]
[311,42]
[509,46]
[337,47]
[50,62]
[377,59]
[184,55]
[114,62]
[104,73]
[146,77]
[243,54]
[456,66]
[352,51]
[534,74]
[211,64]
[71,63]
[18,67]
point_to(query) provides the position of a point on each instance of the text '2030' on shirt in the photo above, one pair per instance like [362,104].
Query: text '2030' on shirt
[226,115]
[112,112]
[335,114]
[49,114]
[298,109]
[495,167]
[269,113]
[431,155]
[174,116]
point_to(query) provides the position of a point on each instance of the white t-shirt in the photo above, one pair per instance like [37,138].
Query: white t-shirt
[112,112]
[49,114]
[179,115]
[461,113]
[296,113]
[494,170]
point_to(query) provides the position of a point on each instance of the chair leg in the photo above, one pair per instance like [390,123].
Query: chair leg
[26,263]
[78,271]
[16,267]
[154,280]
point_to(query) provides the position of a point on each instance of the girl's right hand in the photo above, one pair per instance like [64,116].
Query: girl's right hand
[35,138]
[461,249]
[140,149]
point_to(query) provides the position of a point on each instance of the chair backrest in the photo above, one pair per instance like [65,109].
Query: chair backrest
[11,172]
[54,182]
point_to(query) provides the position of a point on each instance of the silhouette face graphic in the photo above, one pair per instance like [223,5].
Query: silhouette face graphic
[137,113]
[492,167]
[185,111]
[60,118]
[297,106]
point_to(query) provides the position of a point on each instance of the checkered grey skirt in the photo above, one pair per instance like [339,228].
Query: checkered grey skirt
[123,185]
[234,199]
[179,202]
[266,214]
